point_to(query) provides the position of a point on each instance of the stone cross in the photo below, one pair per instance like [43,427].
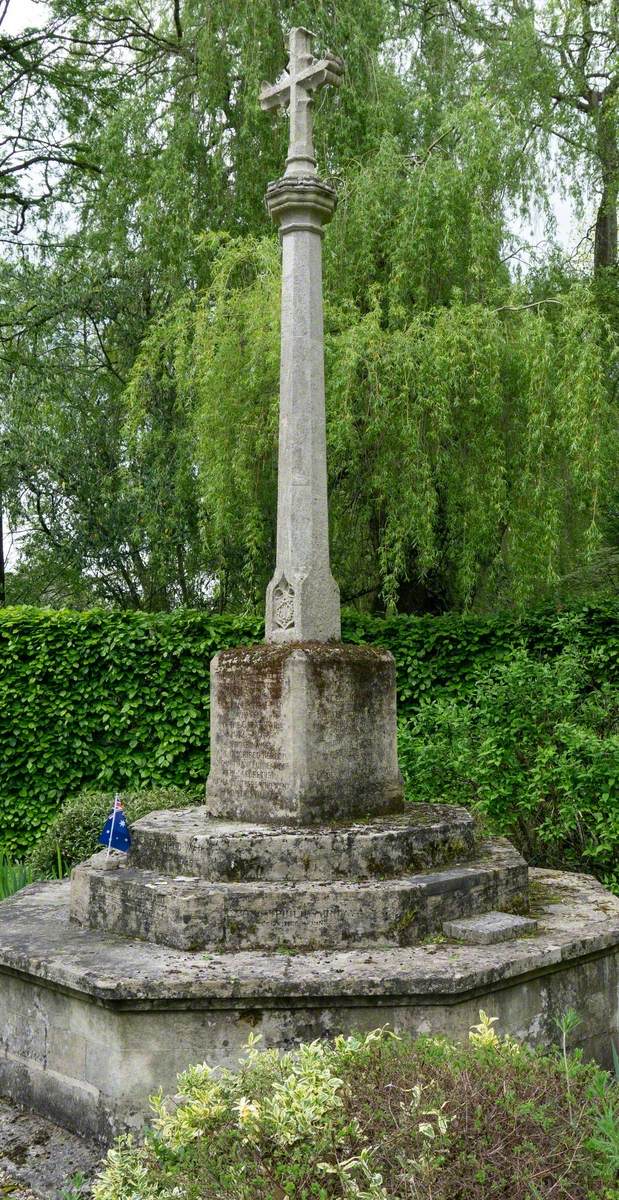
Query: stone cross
[294,89]
[303,602]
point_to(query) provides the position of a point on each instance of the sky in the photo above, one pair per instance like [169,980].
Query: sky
[22,13]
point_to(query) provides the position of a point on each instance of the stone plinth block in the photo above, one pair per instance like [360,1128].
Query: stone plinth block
[485,929]
[304,733]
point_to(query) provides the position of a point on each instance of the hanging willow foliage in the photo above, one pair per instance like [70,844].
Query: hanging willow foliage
[467,443]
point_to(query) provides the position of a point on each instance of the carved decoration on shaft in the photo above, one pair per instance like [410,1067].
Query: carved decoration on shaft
[283,605]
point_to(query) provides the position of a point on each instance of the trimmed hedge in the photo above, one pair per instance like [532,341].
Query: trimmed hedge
[448,654]
[107,701]
[103,702]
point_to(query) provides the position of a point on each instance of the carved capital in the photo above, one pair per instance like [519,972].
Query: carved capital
[300,202]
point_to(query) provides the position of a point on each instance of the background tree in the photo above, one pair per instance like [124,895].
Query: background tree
[471,403]
[557,65]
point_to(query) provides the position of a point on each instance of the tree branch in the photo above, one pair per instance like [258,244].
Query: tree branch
[177,20]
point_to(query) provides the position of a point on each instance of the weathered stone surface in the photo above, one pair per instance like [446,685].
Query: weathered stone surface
[41,1154]
[303,733]
[85,1017]
[187,842]
[193,914]
[294,90]
[303,600]
[486,928]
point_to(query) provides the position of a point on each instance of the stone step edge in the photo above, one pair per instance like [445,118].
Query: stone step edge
[192,914]
[578,918]
[486,929]
[185,842]
[491,855]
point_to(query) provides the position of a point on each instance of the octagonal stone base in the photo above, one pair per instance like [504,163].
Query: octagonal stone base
[304,733]
[91,1024]
[112,896]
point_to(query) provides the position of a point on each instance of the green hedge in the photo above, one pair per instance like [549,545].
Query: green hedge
[447,654]
[101,701]
[113,700]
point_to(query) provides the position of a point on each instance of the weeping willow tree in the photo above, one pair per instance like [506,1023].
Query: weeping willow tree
[471,419]
[153,132]
[471,428]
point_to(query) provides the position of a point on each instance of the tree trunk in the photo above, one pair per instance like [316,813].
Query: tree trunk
[605,250]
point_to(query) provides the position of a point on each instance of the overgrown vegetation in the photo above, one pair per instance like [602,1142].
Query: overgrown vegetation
[374,1118]
[534,750]
[13,876]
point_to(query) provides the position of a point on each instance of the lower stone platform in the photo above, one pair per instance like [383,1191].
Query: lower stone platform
[91,1024]
[110,895]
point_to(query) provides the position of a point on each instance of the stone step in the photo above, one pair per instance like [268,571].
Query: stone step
[111,895]
[187,842]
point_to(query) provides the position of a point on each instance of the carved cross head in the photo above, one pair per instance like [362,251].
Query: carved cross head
[294,89]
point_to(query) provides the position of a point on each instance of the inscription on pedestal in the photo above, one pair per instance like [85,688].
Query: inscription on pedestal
[246,739]
[303,733]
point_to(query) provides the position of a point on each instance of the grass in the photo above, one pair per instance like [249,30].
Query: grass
[13,876]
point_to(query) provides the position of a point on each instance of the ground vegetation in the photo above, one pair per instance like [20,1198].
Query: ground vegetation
[378,1118]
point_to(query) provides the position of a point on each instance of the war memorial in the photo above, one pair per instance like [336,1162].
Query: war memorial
[306,898]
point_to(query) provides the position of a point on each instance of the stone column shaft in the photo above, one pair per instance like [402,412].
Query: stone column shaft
[302,598]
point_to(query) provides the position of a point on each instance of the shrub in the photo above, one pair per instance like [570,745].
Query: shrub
[72,835]
[377,1118]
[535,750]
[446,655]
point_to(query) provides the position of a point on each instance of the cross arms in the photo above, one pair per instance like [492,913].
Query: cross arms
[327,70]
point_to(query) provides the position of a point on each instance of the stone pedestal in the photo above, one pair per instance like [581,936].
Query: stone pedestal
[91,1023]
[303,733]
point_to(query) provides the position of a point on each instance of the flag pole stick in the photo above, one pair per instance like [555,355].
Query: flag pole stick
[109,845]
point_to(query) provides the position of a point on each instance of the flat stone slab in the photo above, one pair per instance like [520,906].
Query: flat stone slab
[110,895]
[188,842]
[38,941]
[488,928]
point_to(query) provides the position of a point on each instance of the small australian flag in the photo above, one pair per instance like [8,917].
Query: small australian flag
[115,834]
